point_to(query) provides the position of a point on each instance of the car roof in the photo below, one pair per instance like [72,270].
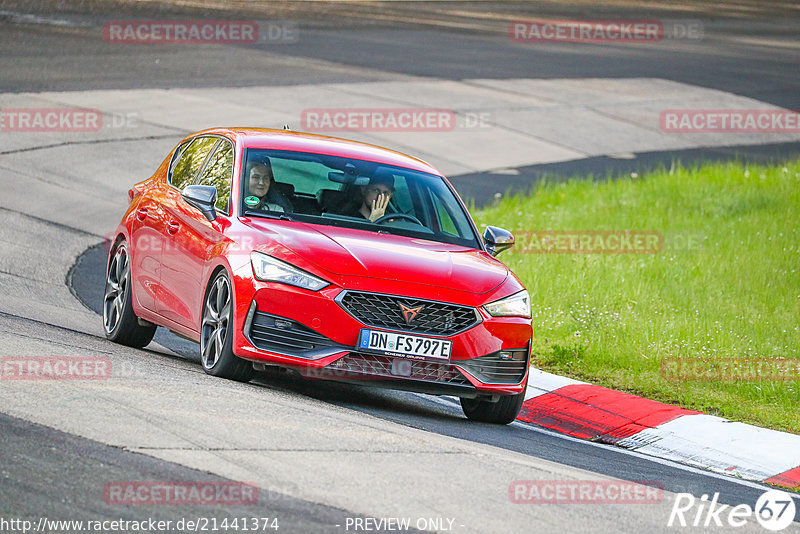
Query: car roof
[320,144]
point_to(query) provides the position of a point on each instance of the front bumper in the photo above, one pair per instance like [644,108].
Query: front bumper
[312,334]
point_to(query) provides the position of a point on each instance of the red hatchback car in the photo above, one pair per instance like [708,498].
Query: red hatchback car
[336,259]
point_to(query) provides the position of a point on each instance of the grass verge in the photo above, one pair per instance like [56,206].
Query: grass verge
[707,320]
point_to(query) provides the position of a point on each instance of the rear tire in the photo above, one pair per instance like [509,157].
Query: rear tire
[120,323]
[216,334]
[502,412]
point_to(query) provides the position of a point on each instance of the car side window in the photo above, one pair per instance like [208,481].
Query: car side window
[219,172]
[191,161]
[444,220]
[176,156]
[446,213]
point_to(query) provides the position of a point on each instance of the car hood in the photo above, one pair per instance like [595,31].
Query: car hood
[348,252]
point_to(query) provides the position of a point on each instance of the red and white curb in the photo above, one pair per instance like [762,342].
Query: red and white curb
[599,414]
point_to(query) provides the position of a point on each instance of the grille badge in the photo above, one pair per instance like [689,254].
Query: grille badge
[409,313]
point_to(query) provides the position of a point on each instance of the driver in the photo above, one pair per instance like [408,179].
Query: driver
[261,195]
[375,198]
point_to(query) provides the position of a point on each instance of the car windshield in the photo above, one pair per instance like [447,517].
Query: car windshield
[339,191]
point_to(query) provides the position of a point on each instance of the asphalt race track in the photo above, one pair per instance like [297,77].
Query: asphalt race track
[327,457]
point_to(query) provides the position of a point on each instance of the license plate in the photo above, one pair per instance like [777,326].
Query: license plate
[404,345]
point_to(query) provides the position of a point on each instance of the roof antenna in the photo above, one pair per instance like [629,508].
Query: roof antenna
[286,127]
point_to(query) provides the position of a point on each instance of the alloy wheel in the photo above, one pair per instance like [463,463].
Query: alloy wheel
[216,319]
[116,289]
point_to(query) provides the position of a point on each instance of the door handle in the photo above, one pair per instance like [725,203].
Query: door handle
[173,228]
[141,214]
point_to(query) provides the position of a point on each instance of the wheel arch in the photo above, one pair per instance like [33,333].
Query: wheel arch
[114,243]
[212,275]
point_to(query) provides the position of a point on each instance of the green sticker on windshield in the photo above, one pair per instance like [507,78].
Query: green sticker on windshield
[252,201]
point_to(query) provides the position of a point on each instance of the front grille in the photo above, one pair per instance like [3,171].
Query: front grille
[386,311]
[491,369]
[357,364]
[277,334]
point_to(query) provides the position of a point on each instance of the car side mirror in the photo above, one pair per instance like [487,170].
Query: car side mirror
[202,197]
[497,240]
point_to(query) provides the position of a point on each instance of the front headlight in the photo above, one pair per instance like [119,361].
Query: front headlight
[268,269]
[517,305]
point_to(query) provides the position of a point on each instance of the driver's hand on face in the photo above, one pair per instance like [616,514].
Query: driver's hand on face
[378,207]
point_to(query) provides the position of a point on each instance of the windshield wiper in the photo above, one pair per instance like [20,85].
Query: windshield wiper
[269,215]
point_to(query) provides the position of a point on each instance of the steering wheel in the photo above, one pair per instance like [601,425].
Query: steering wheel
[391,216]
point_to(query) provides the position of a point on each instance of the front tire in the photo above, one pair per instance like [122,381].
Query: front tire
[120,323]
[502,412]
[216,335]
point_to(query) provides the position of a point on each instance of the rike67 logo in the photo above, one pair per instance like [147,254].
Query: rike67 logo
[774,510]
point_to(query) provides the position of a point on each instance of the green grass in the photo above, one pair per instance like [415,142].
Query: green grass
[725,286]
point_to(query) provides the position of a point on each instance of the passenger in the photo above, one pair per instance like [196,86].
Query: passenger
[260,194]
[374,199]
